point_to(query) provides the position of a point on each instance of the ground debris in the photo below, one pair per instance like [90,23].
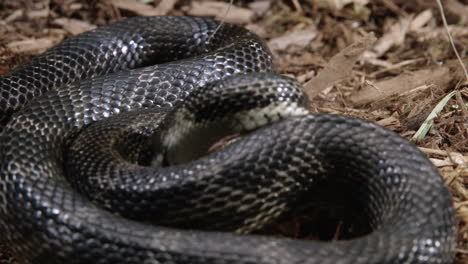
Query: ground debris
[217,9]
[396,82]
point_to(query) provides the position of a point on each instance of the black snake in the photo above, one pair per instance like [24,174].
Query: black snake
[138,187]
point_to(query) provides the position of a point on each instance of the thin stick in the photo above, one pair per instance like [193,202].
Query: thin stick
[231,2]
[444,20]
[427,124]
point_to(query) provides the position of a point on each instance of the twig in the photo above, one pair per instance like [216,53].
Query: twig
[231,2]
[427,124]
[444,20]
[463,251]
[394,67]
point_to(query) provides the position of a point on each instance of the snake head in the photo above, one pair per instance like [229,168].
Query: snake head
[235,105]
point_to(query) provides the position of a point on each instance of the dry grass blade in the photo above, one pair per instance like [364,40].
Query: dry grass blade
[427,124]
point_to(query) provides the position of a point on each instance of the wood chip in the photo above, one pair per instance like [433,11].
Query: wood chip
[434,151]
[457,8]
[340,4]
[33,46]
[421,20]
[13,16]
[34,14]
[394,37]
[137,8]
[257,29]
[390,123]
[75,6]
[260,7]
[299,38]
[74,26]
[402,84]
[236,15]
[339,67]
[165,6]
[454,159]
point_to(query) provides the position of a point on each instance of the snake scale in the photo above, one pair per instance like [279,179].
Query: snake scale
[106,157]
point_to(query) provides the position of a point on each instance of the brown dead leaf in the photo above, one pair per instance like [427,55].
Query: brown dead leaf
[236,15]
[73,26]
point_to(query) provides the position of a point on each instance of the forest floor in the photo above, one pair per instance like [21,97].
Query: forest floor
[395,77]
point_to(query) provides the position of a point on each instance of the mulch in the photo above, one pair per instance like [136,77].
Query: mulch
[389,61]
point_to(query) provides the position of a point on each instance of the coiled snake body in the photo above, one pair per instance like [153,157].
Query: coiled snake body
[107,170]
